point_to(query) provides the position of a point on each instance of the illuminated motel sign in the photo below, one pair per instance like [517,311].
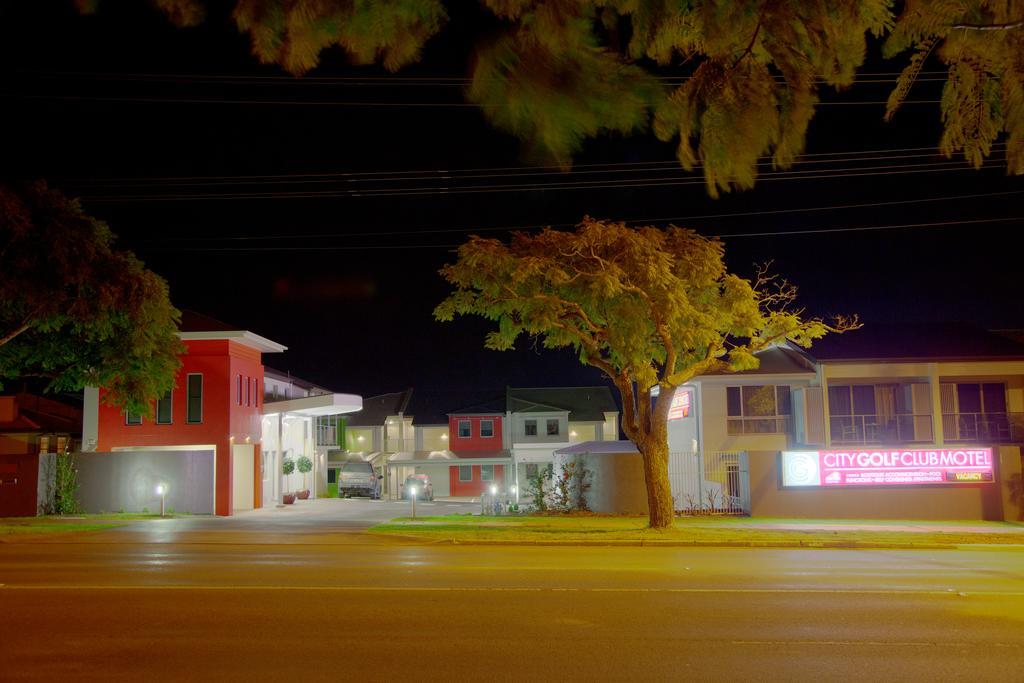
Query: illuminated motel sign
[682,401]
[885,467]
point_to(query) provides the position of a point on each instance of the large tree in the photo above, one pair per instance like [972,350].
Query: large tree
[76,311]
[730,81]
[650,308]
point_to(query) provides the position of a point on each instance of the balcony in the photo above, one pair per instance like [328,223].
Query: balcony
[880,429]
[781,424]
[983,428]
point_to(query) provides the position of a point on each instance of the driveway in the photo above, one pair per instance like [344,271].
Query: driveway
[332,521]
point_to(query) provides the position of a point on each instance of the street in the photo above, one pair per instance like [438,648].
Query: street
[204,600]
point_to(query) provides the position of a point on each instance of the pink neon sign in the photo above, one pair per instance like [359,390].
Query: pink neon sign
[887,467]
[680,406]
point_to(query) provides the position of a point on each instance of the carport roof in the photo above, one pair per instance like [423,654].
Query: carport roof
[322,404]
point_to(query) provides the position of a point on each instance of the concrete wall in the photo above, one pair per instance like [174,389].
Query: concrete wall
[990,501]
[128,480]
[616,481]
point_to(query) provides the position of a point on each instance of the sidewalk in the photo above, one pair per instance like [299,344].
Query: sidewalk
[705,531]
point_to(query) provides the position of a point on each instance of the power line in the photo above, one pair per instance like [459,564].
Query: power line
[934,167]
[450,176]
[358,105]
[929,150]
[724,236]
[661,219]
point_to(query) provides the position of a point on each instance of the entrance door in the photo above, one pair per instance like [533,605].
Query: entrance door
[243,477]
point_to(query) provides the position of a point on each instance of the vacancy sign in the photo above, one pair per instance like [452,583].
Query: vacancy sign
[887,467]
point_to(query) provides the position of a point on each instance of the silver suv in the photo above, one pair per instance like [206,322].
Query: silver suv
[356,479]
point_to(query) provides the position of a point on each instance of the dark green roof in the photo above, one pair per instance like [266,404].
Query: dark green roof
[584,404]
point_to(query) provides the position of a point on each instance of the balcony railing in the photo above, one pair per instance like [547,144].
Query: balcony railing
[984,427]
[781,424]
[878,429]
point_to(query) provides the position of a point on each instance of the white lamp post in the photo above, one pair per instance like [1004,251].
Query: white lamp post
[412,500]
[161,490]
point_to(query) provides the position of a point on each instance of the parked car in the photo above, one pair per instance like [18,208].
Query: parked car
[424,489]
[356,479]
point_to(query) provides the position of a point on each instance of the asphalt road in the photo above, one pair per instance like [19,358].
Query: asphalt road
[230,602]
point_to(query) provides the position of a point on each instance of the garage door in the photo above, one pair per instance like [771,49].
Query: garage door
[244,476]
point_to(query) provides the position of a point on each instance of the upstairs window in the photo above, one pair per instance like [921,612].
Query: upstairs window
[194,406]
[163,410]
[486,428]
[132,418]
[465,429]
[758,409]
[530,427]
[552,427]
[248,391]
[238,390]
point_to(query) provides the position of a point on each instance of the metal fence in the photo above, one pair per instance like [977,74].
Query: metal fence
[711,483]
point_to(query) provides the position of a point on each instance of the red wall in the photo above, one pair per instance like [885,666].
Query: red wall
[474,442]
[220,361]
[478,485]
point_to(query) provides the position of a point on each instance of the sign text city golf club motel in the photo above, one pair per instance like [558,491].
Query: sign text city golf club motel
[887,467]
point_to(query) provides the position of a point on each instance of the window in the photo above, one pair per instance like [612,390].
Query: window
[486,428]
[553,427]
[973,411]
[465,429]
[465,473]
[256,392]
[759,409]
[248,391]
[132,418]
[486,472]
[532,470]
[194,404]
[163,410]
[531,427]
[875,413]
[238,390]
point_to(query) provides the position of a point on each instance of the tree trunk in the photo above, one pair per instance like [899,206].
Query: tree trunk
[659,491]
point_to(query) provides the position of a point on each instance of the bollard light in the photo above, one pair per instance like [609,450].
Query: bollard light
[494,490]
[161,490]
[412,500]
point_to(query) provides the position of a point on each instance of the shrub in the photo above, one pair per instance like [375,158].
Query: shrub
[287,466]
[537,487]
[65,487]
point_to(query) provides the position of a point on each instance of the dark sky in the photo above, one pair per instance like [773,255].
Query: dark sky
[103,106]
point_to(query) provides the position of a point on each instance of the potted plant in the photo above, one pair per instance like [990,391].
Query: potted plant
[305,466]
[287,467]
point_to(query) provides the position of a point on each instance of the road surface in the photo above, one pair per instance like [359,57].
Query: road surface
[209,601]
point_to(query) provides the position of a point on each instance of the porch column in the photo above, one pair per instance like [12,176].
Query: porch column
[933,385]
[278,461]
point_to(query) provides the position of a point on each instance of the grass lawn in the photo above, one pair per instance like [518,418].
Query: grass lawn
[69,523]
[701,530]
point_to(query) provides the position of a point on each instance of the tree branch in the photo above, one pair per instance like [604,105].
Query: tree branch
[750,45]
[1008,26]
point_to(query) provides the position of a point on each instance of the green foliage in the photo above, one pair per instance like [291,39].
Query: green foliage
[65,487]
[538,485]
[746,74]
[646,306]
[77,311]
[303,464]
[982,45]
[293,33]
[571,486]
[549,82]
[287,466]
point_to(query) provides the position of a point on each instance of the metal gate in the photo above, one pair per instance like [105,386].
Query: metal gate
[712,483]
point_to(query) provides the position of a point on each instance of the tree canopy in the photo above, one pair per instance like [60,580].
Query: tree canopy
[648,307]
[76,311]
[729,81]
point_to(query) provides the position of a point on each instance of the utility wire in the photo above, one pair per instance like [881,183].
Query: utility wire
[724,236]
[628,221]
[928,151]
[934,167]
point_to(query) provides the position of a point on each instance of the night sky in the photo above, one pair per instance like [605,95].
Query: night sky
[343,268]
